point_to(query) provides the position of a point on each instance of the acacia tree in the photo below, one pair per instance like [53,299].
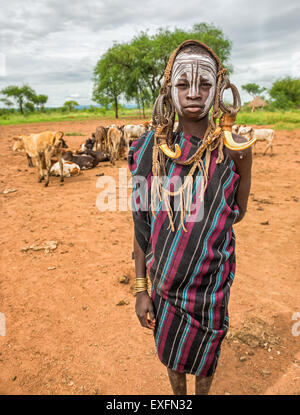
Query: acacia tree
[24,95]
[7,102]
[40,101]
[253,89]
[28,107]
[141,94]
[19,94]
[135,87]
[286,93]
[213,37]
[109,79]
[135,70]
[152,52]
[70,105]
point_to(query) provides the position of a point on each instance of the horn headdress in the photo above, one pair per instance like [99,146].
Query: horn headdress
[216,135]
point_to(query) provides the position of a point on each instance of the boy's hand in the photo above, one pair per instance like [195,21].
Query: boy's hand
[143,306]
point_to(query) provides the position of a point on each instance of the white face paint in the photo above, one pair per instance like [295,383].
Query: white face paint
[194,66]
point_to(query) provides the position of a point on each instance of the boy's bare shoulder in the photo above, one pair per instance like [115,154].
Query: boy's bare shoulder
[241,158]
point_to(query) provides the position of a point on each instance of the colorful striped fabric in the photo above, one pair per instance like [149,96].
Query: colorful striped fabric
[191,272]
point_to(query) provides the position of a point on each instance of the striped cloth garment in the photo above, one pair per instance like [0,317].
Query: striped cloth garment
[191,272]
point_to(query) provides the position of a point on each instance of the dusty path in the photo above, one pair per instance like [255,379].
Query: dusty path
[65,333]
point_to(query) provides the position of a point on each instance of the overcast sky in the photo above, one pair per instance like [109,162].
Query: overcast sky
[53,45]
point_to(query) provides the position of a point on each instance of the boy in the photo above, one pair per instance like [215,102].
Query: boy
[185,202]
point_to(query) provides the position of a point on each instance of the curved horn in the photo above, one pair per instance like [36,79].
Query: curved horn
[228,118]
[226,122]
[236,105]
[233,145]
[168,152]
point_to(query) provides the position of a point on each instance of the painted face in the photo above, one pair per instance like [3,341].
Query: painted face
[193,83]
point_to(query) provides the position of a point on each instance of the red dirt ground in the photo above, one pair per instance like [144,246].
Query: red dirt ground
[65,333]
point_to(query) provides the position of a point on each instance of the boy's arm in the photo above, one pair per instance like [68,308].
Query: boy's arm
[144,304]
[243,162]
[139,259]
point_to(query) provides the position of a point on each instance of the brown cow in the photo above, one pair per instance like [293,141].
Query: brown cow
[114,141]
[43,147]
[101,138]
[19,146]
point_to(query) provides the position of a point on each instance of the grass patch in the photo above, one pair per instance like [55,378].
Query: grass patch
[279,120]
[77,115]
[286,126]
[74,134]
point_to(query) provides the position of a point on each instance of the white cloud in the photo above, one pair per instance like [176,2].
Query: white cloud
[54,45]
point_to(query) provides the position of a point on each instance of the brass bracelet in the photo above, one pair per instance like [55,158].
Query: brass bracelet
[140,284]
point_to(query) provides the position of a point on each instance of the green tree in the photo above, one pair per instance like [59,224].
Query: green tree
[39,101]
[213,37]
[135,88]
[70,105]
[109,78]
[253,89]
[19,94]
[285,93]
[7,102]
[7,107]
[135,70]
[28,107]
[153,52]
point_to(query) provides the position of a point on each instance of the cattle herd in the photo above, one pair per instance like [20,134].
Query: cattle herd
[52,156]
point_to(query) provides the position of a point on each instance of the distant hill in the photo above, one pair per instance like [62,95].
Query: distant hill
[82,107]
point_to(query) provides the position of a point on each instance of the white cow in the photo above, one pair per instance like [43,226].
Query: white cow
[69,169]
[262,134]
[235,128]
[246,131]
[243,130]
[132,132]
